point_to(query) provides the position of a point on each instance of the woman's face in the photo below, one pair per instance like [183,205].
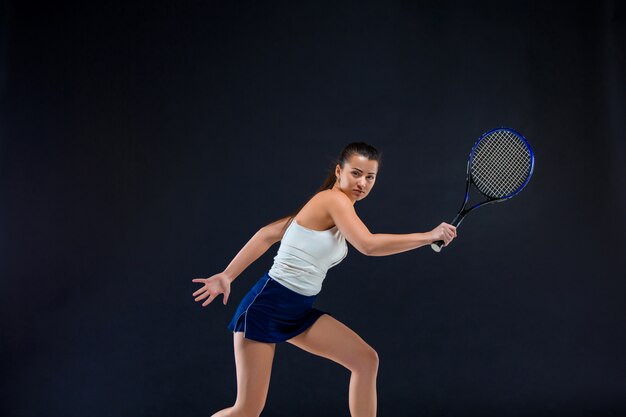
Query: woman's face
[357,177]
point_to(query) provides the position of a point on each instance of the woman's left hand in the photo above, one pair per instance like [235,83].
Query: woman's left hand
[213,286]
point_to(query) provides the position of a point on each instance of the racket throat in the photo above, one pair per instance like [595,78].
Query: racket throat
[459,218]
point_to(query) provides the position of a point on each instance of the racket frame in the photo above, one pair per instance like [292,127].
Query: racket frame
[436,246]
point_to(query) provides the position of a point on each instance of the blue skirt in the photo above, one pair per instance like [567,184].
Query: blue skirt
[272,313]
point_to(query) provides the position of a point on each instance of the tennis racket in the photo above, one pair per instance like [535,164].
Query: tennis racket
[499,167]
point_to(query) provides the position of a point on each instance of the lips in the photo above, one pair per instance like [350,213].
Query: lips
[358,191]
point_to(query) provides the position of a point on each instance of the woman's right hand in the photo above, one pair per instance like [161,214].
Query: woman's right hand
[213,286]
[445,232]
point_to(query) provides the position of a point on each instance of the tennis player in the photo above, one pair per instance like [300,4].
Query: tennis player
[279,307]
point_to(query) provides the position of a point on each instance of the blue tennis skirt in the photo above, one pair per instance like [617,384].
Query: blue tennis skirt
[272,313]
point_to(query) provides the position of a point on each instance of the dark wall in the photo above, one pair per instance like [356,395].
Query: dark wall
[143,143]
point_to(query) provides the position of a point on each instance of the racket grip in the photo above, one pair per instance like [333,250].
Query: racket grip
[436,246]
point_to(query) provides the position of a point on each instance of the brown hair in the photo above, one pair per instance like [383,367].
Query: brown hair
[355,148]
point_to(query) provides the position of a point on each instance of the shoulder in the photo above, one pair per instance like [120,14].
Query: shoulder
[331,196]
[328,199]
[333,201]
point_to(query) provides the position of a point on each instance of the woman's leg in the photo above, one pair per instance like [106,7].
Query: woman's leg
[332,339]
[254,367]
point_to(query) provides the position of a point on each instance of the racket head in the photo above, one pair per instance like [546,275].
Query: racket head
[501,163]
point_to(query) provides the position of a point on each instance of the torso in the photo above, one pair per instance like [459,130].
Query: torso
[310,245]
[314,215]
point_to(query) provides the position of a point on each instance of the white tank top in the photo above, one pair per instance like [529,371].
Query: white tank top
[304,257]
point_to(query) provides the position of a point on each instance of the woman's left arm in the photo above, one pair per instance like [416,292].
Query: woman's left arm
[256,246]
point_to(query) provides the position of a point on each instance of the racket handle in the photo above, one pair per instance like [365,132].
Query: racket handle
[436,246]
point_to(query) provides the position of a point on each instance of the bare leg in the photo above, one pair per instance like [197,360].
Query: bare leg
[254,367]
[332,339]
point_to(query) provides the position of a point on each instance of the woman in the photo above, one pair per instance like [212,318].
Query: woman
[280,305]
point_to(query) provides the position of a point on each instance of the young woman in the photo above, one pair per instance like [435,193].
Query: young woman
[280,308]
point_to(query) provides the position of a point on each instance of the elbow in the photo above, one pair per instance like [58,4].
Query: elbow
[367,248]
[263,235]
[369,252]
[266,235]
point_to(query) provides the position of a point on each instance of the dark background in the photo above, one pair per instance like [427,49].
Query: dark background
[143,143]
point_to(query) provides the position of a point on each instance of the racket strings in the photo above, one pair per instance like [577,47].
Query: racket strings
[505,181]
[500,164]
[500,173]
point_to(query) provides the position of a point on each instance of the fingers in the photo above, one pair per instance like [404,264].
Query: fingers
[209,300]
[199,290]
[210,291]
[203,296]
[211,294]
[448,233]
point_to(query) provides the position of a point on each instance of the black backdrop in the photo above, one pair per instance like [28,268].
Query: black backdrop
[143,143]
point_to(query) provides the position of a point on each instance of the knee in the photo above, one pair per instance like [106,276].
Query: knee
[237,411]
[365,361]
[248,410]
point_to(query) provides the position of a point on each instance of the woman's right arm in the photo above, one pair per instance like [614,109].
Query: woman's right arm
[352,228]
